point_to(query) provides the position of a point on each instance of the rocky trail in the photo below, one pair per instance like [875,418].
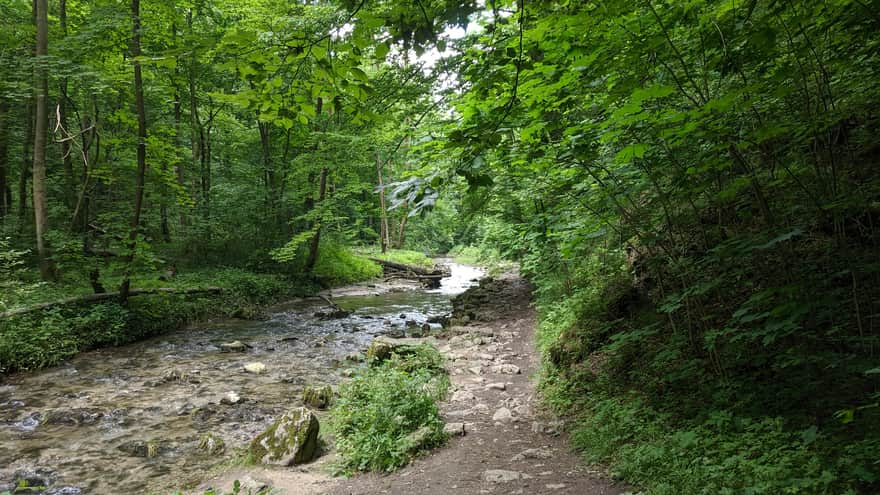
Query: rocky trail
[503,442]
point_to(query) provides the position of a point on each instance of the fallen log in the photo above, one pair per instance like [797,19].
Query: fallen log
[106,296]
[418,270]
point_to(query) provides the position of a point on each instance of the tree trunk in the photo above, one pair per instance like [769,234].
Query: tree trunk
[41,131]
[27,164]
[178,134]
[383,225]
[141,147]
[5,191]
[316,240]
[66,157]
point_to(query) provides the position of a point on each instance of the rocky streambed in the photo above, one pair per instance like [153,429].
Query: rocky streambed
[160,414]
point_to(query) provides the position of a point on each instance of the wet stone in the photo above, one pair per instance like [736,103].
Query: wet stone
[317,397]
[292,439]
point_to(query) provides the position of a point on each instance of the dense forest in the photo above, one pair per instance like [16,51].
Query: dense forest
[692,187]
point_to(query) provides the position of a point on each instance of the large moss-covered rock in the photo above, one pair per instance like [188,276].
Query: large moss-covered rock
[292,439]
[317,397]
[382,347]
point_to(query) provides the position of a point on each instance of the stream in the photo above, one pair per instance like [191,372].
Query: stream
[130,419]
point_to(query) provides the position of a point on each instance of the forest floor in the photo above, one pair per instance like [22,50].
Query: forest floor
[510,445]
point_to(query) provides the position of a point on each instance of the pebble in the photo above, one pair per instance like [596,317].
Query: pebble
[539,453]
[503,415]
[454,429]
[506,369]
[255,368]
[496,386]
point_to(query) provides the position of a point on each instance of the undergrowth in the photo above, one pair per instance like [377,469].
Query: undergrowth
[677,410]
[45,338]
[388,412]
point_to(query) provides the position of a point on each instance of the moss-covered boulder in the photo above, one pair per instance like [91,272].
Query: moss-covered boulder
[292,439]
[382,347]
[379,350]
[317,397]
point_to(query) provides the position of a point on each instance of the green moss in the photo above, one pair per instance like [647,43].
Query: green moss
[292,439]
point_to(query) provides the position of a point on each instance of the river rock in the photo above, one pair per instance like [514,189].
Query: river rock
[506,369]
[355,357]
[255,368]
[212,444]
[541,453]
[379,350]
[382,346]
[442,320]
[503,476]
[292,439]
[395,333]
[317,397]
[72,417]
[454,429]
[235,346]
[140,448]
[230,399]
[503,415]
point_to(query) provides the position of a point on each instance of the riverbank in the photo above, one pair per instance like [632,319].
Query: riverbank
[45,338]
[40,339]
[132,418]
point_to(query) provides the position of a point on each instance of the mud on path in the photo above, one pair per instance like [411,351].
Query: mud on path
[509,446]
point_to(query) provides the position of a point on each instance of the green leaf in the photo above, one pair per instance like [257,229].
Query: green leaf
[630,153]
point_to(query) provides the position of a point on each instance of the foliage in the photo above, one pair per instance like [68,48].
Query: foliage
[47,337]
[693,189]
[377,413]
[339,265]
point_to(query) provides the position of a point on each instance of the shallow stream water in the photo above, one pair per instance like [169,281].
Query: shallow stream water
[130,419]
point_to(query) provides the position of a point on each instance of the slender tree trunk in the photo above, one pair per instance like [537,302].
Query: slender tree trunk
[197,131]
[316,239]
[5,191]
[178,134]
[383,225]
[268,173]
[41,131]
[141,147]
[67,159]
[27,165]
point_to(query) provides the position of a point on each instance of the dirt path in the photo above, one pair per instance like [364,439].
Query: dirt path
[509,446]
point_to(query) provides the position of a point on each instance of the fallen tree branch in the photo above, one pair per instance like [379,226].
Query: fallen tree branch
[330,303]
[95,298]
[408,268]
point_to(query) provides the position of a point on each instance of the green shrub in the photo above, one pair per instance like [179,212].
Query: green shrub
[724,454]
[379,414]
[338,265]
